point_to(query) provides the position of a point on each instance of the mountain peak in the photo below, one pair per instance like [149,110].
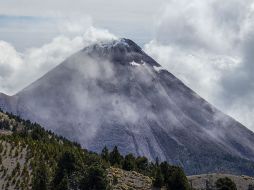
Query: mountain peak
[122,51]
[121,43]
[112,100]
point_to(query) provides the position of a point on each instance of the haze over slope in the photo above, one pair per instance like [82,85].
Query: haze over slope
[112,93]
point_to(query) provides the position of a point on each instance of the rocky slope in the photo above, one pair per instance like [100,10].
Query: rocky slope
[113,93]
[23,147]
[32,158]
[14,171]
[121,180]
[206,181]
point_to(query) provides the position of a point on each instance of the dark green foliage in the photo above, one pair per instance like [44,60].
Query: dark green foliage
[66,167]
[115,157]
[95,179]
[163,174]
[208,185]
[38,133]
[59,164]
[251,187]
[55,162]
[67,163]
[5,125]
[105,154]
[129,162]
[63,185]
[158,179]
[142,163]
[157,162]
[115,180]
[176,179]
[41,179]
[225,184]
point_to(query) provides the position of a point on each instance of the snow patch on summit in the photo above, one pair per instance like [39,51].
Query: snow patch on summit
[133,63]
[158,69]
[113,43]
[121,42]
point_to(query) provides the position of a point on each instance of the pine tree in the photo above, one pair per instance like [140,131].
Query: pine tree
[105,154]
[63,185]
[176,179]
[40,179]
[115,157]
[158,181]
[225,183]
[96,179]
[157,163]
[66,166]
[251,187]
[129,162]
[142,163]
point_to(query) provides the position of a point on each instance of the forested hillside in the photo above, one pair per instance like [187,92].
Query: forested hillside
[33,158]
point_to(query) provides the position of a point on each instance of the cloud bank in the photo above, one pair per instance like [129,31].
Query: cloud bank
[19,69]
[209,45]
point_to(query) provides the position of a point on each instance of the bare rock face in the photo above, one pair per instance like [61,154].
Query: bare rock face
[113,93]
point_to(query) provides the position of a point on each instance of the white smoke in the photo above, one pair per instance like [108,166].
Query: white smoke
[18,69]
[209,45]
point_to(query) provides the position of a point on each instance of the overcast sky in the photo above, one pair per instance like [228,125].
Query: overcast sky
[208,44]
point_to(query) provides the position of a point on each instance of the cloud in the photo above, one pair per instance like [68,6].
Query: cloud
[10,62]
[131,19]
[17,69]
[209,45]
[195,69]
[76,24]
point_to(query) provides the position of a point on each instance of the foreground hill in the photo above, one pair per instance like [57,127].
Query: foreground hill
[129,179]
[207,181]
[113,93]
[33,158]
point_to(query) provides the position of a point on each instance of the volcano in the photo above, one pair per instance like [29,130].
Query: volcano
[113,93]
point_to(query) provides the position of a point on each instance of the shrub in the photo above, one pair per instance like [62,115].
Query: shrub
[129,162]
[225,184]
[95,179]
[158,180]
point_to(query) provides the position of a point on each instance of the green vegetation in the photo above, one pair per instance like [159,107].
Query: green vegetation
[158,179]
[163,174]
[225,184]
[251,187]
[53,162]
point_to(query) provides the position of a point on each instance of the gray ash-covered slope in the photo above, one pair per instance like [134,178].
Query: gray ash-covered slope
[112,93]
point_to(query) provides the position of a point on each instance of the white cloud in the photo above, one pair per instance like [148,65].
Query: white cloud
[209,45]
[19,69]
[131,19]
[196,69]
[8,55]
[77,24]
